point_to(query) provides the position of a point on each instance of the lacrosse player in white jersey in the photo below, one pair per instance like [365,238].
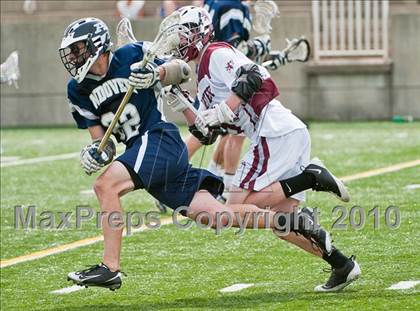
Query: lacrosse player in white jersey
[240,96]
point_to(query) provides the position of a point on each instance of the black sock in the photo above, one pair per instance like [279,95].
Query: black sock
[298,183]
[337,260]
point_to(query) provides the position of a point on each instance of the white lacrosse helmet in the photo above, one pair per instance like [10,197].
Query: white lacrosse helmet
[195,31]
[94,34]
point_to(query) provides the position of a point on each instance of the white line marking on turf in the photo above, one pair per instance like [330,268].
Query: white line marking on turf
[88,241]
[404,285]
[67,290]
[412,187]
[87,192]
[380,171]
[64,156]
[70,246]
[235,287]
[4,159]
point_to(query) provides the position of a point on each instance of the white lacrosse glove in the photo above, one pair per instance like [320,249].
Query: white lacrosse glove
[144,77]
[214,116]
[176,98]
[200,124]
[92,161]
[274,60]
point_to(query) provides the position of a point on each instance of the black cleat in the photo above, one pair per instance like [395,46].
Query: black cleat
[326,181]
[342,277]
[312,231]
[98,275]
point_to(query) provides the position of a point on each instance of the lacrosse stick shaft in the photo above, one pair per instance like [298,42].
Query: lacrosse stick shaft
[159,41]
[120,110]
[117,116]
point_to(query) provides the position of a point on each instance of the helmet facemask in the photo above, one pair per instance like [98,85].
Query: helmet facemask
[187,38]
[78,55]
[190,42]
[83,42]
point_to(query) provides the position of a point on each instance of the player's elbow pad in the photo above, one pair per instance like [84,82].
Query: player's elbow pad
[208,139]
[248,81]
[176,72]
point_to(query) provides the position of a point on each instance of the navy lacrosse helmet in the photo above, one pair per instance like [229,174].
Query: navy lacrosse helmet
[83,41]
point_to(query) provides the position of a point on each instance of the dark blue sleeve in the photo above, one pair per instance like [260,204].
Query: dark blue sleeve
[81,108]
[135,52]
[234,27]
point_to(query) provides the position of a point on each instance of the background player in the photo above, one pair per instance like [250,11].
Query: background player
[155,158]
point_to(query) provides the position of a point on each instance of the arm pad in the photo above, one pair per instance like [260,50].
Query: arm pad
[176,72]
[208,139]
[248,81]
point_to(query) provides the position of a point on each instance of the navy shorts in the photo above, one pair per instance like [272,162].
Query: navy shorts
[158,162]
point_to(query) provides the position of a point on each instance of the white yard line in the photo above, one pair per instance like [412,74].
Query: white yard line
[67,290]
[236,287]
[8,159]
[165,221]
[380,171]
[404,285]
[69,246]
[57,157]
[87,192]
[412,187]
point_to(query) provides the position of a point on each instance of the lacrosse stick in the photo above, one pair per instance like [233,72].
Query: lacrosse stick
[165,41]
[297,50]
[265,11]
[9,70]
[124,32]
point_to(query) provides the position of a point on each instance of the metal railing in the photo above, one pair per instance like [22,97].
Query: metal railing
[351,28]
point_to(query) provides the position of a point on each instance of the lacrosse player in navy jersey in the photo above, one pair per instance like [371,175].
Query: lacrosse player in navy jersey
[155,158]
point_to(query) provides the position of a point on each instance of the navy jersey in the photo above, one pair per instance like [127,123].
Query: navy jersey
[230,19]
[95,100]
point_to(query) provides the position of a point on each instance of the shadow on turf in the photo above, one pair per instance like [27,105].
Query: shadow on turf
[227,301]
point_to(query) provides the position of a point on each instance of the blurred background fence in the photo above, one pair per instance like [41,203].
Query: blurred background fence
[365,63]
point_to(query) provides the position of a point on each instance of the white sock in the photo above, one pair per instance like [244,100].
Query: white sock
[214,168]
[227,180]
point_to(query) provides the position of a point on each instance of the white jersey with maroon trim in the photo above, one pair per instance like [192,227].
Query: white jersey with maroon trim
[263,115]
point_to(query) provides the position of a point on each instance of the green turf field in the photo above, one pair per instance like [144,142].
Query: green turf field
[172,269]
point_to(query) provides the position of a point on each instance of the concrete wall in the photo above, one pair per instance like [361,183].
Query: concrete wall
[41,97]
[405,49]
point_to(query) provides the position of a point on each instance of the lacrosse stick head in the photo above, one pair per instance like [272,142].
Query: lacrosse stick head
[10,69]
[297,50]
[265,11]
[188,31]
[124,32]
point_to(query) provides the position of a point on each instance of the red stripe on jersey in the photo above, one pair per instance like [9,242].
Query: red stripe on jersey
[253,168]
[266,155]
[267,93]
[266,152]
[203,68]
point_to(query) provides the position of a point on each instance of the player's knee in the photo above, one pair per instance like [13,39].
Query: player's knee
[103,186]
